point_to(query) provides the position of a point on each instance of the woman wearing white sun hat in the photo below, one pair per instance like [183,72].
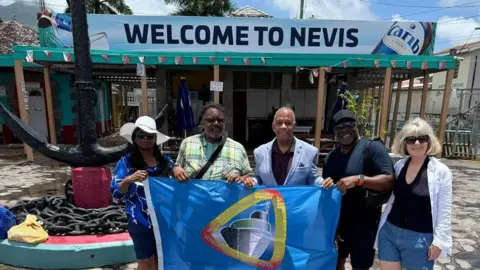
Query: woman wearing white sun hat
[144,160]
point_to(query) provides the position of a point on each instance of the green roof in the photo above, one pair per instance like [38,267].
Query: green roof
[238,59]
[8,60]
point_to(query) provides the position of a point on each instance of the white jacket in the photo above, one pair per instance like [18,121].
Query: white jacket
[440,189]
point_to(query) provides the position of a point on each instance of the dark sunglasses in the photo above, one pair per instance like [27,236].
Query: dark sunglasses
[345,125]
[213,120]
[145,136]
[414,139]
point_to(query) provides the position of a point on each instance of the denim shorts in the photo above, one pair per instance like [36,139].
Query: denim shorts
[407,247]
[143,240]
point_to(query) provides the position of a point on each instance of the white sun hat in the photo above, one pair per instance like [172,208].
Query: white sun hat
[146,124]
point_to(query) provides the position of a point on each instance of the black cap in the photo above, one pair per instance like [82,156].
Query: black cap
[343,116]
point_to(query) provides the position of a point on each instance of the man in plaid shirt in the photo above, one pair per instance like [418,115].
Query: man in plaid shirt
[232,162]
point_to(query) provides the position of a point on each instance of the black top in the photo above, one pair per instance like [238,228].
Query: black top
[339,165]
[412,209]
[281,162]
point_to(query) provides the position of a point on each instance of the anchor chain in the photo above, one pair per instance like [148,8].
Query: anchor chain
[60,217]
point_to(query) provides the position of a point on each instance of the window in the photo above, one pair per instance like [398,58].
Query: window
[457,67]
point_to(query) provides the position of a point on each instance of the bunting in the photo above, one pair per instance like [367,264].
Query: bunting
[213,58]
[141,59]
[162,59]
[246,61]
[105,57]
[195,60]
[263,60]
[29,56]
[377,63]
[228,60]
[409,64]
[67,57]
[393,63]
[442,65]
[178,60]
[424,65]
[125,59]
[48,53]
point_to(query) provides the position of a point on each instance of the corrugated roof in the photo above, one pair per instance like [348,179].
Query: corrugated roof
[468,48]
[14,33]
[251,12]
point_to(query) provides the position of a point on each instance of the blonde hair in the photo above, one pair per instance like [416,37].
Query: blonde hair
[419,127]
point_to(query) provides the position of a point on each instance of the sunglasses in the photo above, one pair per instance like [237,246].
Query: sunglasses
[145,136]
[213,120]
[345,125]
[414,139]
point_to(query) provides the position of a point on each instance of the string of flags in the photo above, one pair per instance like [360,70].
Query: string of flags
[179,60]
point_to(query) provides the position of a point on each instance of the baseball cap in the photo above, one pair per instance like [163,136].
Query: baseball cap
[344,116]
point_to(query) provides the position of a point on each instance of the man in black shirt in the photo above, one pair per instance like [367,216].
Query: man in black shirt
[344,167]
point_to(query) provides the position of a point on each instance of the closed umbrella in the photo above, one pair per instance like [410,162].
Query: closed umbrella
[339,105]
[185,119]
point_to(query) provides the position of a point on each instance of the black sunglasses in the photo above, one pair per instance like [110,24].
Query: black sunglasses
[414,139]
[145,136]
[345,125]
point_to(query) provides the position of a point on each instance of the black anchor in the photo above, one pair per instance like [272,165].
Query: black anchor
[88,152]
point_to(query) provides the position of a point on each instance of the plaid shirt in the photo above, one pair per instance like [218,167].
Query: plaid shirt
[232,159]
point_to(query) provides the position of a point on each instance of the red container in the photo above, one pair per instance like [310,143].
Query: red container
[91,187]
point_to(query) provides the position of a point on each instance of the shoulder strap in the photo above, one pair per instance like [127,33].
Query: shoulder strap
[367,158]
[212,158]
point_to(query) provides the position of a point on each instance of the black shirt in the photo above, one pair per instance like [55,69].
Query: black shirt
[339,165]
[281,162]
[411,209]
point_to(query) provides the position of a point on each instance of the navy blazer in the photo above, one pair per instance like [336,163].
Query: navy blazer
[303,170]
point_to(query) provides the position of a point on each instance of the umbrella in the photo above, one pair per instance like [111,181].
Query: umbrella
[339,105]
[185,119]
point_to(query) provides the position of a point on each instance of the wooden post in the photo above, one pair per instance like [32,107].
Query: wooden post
[48,97]
[386,100]
[409,99]
[445,104]
[377,110]
[370,109]
[216,77]
[423,104]
[393,129]
[144,94]
[20,83]
[320,94]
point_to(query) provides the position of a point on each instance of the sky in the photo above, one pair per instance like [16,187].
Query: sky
[456,19]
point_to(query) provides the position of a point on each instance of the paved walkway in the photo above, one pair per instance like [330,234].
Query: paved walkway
[25,181]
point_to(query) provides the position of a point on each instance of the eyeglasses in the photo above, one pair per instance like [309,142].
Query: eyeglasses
[345,125]
[414,139]
[213,120]
[145,136]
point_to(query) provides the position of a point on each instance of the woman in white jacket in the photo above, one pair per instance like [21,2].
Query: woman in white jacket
[415,228]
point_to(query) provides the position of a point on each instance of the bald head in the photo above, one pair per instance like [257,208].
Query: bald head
[284,124]
[285,112]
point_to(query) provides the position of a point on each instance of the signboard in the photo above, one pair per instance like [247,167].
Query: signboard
[213,34]
[140,70]
[25,96]
[216,86]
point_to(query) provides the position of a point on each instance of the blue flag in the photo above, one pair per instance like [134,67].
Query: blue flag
[207,224]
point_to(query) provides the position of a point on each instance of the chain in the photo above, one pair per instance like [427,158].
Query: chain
[60,217]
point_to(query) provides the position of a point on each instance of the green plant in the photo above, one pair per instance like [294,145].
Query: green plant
[361,110]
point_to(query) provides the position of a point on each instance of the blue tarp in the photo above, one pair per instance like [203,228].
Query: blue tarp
[206,224]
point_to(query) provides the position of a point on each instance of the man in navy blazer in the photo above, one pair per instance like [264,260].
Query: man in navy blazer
[286,160]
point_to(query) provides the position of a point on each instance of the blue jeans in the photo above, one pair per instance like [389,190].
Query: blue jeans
[407,247]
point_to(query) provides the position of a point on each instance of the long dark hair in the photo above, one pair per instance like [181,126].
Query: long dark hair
[136,157]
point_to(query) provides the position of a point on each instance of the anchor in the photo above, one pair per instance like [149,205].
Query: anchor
[88,153]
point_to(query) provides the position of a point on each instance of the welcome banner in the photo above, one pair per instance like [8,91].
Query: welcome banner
[214,34]
[215,225]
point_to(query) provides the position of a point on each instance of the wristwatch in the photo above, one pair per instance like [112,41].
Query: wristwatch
[361,180]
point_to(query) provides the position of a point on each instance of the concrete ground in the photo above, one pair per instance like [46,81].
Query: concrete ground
[21,180]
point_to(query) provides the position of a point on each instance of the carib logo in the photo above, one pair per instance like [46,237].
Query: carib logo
[247,239]
[405,38]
